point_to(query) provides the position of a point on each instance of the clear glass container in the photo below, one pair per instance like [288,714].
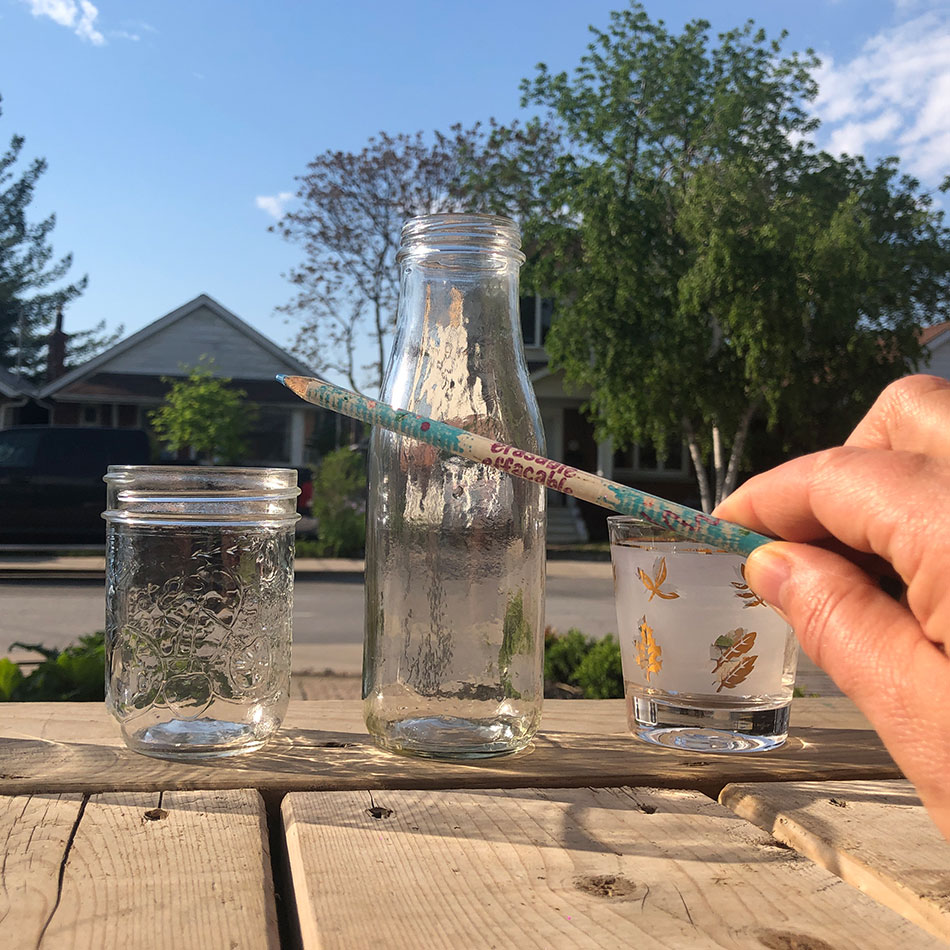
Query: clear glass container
[454,647]
[199,603]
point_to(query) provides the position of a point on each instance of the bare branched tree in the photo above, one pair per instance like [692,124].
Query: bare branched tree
[351,208]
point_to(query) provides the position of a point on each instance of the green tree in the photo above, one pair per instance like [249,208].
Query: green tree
[710,266]
[204,413]
[339,504]
[31,288]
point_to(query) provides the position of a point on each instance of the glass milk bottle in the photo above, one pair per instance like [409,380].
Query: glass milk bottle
[454,648]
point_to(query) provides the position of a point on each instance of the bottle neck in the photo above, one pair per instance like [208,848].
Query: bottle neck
[477,241]
[457,353]
[459,282]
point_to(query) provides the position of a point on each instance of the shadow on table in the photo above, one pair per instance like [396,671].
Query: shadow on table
[302,759]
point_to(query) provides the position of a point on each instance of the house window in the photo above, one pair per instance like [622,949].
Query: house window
[90,415]
[268,439]
[537,314]
[643,460]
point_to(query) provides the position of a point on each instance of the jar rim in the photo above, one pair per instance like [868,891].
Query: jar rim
[266,478]
[194,483]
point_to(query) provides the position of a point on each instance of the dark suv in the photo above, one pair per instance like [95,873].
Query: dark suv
[51,488]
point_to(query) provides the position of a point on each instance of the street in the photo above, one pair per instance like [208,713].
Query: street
[328,613]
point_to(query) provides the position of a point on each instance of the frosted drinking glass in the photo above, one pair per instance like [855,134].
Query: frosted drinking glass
[706,664]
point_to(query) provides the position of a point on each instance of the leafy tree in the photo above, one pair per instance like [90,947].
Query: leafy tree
[204,413]
[339,504]
[30,290]
[352,207]
[711,267]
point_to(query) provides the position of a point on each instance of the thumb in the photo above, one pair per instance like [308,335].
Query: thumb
[870,645]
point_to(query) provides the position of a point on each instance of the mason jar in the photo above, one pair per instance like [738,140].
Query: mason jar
[199,603]
[454,647]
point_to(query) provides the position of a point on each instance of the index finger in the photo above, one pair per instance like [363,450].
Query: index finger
[911,415]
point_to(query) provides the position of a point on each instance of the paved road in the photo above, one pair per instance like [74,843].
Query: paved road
[328,613]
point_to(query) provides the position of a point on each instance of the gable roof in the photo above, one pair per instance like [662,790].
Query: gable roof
[203,301]
[15,386]
[930,335]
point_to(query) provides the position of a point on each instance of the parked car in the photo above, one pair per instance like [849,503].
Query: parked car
[305,498]
[51,487]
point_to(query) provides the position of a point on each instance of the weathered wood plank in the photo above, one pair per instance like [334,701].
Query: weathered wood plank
[181,869]
[562,868]
[75,747]
[875,835]
[35,831]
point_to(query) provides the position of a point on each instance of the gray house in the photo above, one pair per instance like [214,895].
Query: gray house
[119,386]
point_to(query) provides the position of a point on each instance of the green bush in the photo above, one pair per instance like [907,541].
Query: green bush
[600,674]
[592,666]
[339,505]
[75,674]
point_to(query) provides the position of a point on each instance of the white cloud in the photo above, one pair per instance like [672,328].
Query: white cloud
[894,96]
[274,204]
[81,17]
[62,12]
[85,27]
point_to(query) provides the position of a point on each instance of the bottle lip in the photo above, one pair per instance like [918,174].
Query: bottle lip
[451,233]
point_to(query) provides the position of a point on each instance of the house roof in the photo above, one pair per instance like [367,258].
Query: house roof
[14,386]
[97,364]
[930,335]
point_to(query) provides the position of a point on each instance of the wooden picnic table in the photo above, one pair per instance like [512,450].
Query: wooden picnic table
[588,839]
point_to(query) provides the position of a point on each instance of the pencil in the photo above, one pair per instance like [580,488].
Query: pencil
[683,521]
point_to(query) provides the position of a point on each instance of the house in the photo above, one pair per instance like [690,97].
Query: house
[15,394]
[122,384]
[936,341]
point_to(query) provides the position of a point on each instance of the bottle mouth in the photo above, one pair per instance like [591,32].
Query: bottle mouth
[460,234]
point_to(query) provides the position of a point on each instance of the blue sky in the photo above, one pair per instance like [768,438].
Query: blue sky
[175,130]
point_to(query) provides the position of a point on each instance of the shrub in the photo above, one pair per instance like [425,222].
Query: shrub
[75,674]
[600,674]
[592,666]
[339,504]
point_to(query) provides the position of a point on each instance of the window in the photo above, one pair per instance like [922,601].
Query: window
[643,460]
[537,314]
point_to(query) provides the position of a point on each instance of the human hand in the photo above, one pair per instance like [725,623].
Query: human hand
[884,495]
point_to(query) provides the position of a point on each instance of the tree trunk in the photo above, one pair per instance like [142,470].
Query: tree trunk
[698,467]
[735,456]
[725,475]
[718,470]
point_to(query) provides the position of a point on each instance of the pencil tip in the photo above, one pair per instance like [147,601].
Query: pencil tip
[281,378]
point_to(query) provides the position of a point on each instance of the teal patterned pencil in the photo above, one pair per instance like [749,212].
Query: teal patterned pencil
[684,522]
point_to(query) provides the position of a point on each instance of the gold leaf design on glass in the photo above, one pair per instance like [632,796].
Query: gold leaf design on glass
[654,584]
[733,663]
[743,591]
[648,650]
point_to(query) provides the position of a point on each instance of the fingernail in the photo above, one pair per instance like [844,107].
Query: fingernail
[767,571]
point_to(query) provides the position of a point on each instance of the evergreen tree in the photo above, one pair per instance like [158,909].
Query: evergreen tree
[31,287]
